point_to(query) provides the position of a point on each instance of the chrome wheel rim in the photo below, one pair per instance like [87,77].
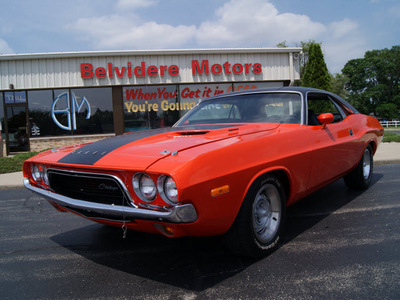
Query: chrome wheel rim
[366,164]
[266,213]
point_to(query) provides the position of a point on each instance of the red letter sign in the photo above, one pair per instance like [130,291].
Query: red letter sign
[86,71]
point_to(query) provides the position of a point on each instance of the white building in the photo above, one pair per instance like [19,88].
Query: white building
[53,99]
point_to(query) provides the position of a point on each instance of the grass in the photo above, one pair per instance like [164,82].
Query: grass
[14,163]
[391,137]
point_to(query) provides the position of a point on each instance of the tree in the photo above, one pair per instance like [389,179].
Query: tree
[316,73]
[282,45]
[388,111]
[303,58]
[338,85]
[373,82]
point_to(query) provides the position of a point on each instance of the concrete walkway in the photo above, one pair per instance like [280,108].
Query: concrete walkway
[388,153]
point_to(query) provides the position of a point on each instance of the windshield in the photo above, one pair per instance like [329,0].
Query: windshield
[250,108]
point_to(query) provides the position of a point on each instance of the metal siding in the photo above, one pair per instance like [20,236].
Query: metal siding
[64,71]
[28,72]
[74,70]
[13,75]
[58,73]
[4,80]
[35,73]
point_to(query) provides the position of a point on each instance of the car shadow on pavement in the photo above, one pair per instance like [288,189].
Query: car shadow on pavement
[321,204]
[194,264]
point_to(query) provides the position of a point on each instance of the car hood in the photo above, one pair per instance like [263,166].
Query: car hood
[140,150]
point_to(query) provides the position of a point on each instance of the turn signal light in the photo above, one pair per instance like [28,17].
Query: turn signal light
[220,191]
[165,230]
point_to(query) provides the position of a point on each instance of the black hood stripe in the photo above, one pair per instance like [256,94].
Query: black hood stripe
[91,153]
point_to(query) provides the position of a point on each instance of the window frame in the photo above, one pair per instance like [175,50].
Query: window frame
[336,103]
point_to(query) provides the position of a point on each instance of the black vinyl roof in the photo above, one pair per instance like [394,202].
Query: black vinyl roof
[299,89]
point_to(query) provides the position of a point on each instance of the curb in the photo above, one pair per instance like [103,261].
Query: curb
[386,162]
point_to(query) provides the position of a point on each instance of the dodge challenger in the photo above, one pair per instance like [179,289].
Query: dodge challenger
[229,167]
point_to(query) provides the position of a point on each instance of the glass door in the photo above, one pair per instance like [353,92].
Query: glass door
[16,122]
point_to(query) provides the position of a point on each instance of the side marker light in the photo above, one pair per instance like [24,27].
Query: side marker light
[220,191]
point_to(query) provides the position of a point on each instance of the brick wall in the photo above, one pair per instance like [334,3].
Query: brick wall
[39,144]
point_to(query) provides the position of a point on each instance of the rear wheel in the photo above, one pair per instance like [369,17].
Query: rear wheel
[258,225]
[361,176]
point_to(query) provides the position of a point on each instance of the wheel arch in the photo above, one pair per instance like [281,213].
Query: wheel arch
[281,173]
[374,146]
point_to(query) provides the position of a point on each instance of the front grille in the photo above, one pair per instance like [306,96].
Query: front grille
[96,188]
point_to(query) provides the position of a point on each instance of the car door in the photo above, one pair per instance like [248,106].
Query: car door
[331,145]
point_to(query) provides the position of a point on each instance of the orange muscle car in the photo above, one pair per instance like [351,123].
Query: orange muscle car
[229,167]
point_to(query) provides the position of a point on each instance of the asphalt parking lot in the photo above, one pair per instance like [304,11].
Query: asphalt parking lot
[338,244]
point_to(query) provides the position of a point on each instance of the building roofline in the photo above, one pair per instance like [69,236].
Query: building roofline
[25,56]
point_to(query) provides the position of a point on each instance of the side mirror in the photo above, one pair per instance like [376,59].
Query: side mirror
[326,119]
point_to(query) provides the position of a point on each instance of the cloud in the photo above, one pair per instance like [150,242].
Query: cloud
[255,23]
[129,4]
[120,32]
[343,42]
[342,28]
[151,35]
[238,23]
[5,48]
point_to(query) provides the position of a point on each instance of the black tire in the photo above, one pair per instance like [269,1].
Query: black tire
[360,178]
[258,226]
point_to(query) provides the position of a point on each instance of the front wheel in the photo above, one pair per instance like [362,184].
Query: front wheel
[360,178]
[259,223]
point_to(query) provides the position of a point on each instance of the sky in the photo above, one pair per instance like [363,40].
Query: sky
[346,29]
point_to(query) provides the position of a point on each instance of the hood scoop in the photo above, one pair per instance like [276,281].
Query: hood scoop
[192,132]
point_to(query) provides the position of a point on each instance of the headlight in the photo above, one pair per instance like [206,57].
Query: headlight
[44,176]
[167,189]
[39,173]
[144,187]
[35,173]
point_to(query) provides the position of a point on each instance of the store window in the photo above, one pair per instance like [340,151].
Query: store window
[148,107]
[40,120]
[70,111]
[2,128]
[93,110]
[15,97]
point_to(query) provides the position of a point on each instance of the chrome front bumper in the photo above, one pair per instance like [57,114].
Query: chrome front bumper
[185,213]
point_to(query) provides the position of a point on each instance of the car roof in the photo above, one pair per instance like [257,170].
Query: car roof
[299,89]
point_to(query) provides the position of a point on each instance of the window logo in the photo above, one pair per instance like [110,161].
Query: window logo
[70,107]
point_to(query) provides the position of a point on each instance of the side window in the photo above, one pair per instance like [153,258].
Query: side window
[319,104]
[286,109]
